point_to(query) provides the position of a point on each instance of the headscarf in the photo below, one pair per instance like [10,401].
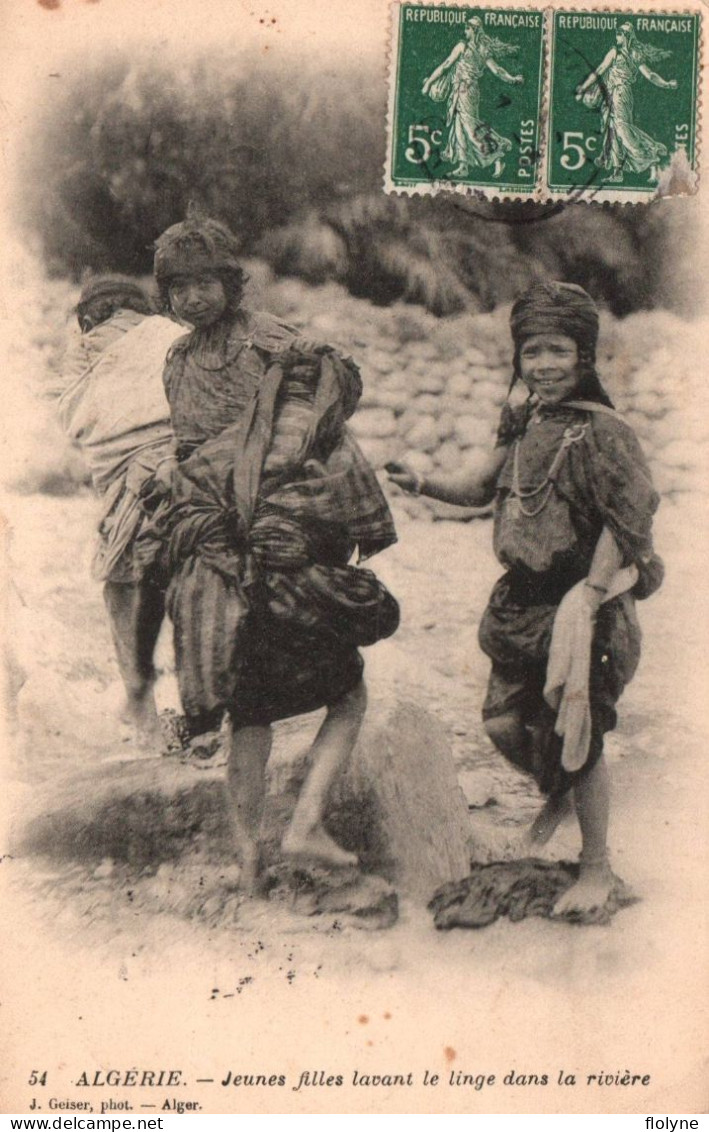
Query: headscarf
[561,308]
[194,246]
[120,290]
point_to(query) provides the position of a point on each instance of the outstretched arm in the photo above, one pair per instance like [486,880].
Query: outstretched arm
[595,75]
[657,80]
[457,50]
[501,73]
[466,489]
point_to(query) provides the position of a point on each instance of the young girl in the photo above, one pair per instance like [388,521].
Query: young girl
[573,511]
[270,497]
[112,405]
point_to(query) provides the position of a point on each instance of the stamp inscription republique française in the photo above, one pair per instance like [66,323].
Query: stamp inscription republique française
[532,103]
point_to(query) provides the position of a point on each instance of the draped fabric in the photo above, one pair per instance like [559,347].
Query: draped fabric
[114,408]
[624,146]
[471,140]
[603,481]
[268,613]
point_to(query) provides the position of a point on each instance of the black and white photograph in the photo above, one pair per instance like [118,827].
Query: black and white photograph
[354,603]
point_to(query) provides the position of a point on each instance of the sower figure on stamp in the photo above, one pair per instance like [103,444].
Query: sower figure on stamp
[573,512]
[113,406]
[471,140]
[625,148]
[270,499]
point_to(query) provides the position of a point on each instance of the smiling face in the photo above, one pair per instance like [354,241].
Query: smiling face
[200,300]
[549,366]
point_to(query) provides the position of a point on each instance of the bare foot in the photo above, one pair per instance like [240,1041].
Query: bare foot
[548,820]
[460,171]
[498,167]
[318,847]
[139,712]
[589,894]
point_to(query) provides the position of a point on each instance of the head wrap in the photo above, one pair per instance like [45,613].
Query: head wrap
[561,308]
[116,287]
[194,246]
[556,308]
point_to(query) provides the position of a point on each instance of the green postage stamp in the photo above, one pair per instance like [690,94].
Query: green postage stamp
[623,103]
[539,102]
[466,97]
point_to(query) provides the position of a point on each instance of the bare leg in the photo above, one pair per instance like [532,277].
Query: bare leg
[498,167]
[548,820]
[460,171]
[306,837]
[592,800]
[135,613]
[513,740]
[246,783]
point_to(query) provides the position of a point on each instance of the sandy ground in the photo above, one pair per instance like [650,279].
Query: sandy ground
[100,977]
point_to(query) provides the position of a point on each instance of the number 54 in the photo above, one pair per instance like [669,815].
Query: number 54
[419,136]
[571,147]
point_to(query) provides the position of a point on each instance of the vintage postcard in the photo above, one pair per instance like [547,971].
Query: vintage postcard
[354,603]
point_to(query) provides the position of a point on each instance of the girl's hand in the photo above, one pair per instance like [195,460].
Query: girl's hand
[404,477]
[426,87]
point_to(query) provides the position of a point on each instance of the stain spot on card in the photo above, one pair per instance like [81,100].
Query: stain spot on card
[49,4]
[387,1015]
[363,1019]
[450,1053]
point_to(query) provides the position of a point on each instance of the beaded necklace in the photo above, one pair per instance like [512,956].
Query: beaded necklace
[515,506]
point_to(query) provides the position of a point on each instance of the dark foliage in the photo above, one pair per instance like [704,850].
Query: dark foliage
[292,160]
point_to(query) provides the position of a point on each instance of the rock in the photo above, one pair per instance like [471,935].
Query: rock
[475,357]
[419,462]
[377,423]
[393,399]
[457,406]
[471,431]
[459,385]
[479,787]
[650,403]
[448,456]
[426,404]
[379,361]
[397,380]
[493,392]
[423,434]
[429,382]
[380,452]
[398,805]
[446,425]
[479,374]
[424,350]
[682,454]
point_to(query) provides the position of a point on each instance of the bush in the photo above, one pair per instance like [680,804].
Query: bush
[292,160]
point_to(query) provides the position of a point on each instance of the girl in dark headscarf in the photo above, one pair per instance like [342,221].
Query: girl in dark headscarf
[573,511]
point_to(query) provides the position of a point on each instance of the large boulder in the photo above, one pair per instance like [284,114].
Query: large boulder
[398,806]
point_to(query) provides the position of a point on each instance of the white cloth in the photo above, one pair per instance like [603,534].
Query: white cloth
[117,406]
[568,669]
[115,410]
